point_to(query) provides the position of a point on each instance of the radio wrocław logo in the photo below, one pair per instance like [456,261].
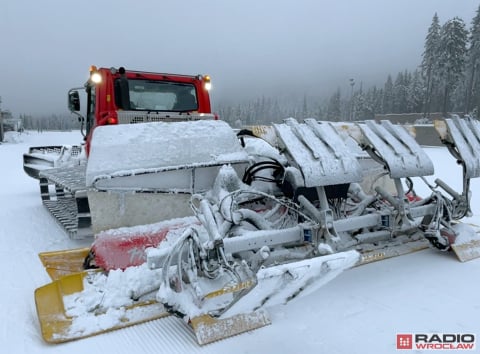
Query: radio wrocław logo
[436,341]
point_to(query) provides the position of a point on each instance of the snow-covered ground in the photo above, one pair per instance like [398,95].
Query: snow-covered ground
[361,311]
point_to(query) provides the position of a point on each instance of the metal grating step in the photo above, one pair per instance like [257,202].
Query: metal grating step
[71,179]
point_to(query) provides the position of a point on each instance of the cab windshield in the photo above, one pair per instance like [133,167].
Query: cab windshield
[148,95]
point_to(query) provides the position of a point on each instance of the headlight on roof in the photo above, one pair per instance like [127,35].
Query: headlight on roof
[95,76]
[207,83]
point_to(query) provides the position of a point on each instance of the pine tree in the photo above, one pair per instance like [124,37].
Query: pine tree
[367,104]
[459,96]
[472,99]
[415,94]
[305,113]
[430,62]
[387,101]
[452,52]
[377,100]
[400,93]
[334,109]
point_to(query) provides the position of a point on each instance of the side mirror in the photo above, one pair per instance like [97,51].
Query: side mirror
[73,101]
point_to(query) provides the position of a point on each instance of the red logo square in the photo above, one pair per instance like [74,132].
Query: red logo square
[404,341]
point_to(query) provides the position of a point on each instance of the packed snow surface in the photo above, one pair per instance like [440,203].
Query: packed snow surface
[361,311]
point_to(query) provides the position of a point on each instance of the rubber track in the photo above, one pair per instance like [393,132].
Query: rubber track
[64,211]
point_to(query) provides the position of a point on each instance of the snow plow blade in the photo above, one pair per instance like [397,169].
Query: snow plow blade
[65,262]
[208,329]
[58,327]
[393,251]
[467,251]
[281,284]
[272,286]
[467,245]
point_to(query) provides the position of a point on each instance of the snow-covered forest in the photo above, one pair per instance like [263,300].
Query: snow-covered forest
[63,122]
[446,80]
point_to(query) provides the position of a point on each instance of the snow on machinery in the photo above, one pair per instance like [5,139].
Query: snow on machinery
[271,227]
[113,97]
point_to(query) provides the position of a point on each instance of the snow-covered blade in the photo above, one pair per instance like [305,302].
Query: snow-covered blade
[393,250]
[64,262]
[283,283]
[75,307]
[467,244]
[208,329]
[466,251]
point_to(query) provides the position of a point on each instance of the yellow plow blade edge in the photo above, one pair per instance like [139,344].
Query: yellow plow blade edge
[50,309]
[65,262]
[208,329]
[58,327]
[467,245]
[467,251]
[393,251]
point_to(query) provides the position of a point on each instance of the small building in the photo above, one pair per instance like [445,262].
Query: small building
[9,123]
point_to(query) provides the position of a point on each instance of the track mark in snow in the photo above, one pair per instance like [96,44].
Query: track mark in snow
[164,336]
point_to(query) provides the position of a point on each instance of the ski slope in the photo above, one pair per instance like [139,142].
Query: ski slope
[361,311]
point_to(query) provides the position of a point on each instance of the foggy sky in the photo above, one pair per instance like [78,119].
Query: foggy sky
[249,47]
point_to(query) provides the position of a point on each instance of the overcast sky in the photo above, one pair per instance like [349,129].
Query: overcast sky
[249,47]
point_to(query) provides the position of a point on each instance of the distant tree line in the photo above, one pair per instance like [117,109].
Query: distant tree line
[447,80]
[265,110]
[63,122]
